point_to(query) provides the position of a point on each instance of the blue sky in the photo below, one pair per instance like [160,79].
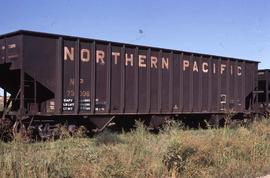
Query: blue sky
[236,28]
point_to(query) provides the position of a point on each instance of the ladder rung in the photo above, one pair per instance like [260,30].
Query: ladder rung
[257,92]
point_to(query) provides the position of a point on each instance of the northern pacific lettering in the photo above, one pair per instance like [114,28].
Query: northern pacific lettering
[155,62]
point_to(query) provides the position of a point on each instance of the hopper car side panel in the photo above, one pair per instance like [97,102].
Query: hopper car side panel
[81,76]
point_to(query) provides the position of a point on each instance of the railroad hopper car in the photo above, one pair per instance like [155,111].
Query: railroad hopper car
[94,82]
[263,91]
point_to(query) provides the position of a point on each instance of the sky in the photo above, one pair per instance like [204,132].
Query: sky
[233,28]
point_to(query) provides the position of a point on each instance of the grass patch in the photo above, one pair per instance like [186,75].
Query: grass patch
[174,152]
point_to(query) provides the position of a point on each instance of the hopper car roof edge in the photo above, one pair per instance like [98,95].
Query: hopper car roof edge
[264,69]
[52,35]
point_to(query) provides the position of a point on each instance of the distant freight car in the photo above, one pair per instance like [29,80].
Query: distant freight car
[60,78]
[264,90]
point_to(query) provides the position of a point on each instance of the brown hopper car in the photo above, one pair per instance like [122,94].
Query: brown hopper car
[57,77]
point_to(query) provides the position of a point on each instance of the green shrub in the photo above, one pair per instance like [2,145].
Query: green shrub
[106,137]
